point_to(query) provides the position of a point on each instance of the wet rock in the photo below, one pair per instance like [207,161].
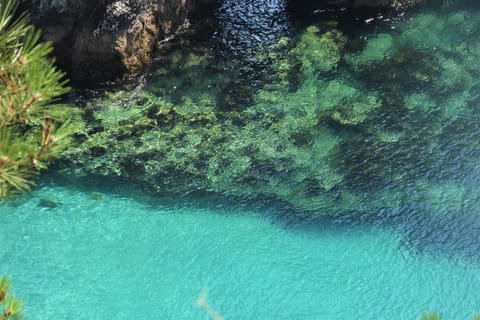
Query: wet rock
[100,40]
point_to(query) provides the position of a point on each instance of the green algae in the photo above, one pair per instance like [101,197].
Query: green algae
[305,137]
[187,146]
[319,53]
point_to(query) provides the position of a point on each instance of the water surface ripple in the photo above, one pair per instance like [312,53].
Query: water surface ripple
[108,257]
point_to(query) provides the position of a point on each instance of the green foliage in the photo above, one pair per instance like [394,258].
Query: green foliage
[32,131]
[10,307]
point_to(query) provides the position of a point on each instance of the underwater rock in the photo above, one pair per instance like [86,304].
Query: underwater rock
[50,202]
[97,196]
[102,40]
[378,48]
[326,127]
[347,104]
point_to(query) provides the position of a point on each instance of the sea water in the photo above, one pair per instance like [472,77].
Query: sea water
[100,255]
[85,252]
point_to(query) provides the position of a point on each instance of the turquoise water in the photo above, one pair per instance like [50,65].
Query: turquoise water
[345,179]
[108,256]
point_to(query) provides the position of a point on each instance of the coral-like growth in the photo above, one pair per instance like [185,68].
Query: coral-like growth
[319,52]
[350,106]
[299,134]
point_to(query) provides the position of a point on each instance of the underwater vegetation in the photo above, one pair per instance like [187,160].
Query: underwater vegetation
[261,149]
[329,128]
[319,53]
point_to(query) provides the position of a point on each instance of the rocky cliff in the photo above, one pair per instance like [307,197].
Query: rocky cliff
[98,40]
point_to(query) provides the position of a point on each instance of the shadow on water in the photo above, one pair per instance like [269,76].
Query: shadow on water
[124,188]
[423,228]
[421,231]
[451,233]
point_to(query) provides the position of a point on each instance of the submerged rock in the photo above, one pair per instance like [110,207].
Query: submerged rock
[49,202]
[378,48]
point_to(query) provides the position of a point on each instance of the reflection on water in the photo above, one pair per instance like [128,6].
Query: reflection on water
[249,27]
[246,32]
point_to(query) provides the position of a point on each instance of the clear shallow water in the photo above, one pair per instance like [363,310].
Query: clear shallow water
[387,141]
[111,257]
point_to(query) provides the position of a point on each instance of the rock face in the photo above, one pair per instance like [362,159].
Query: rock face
[99,40]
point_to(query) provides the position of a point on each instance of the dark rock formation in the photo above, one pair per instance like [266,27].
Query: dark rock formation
[99,40]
